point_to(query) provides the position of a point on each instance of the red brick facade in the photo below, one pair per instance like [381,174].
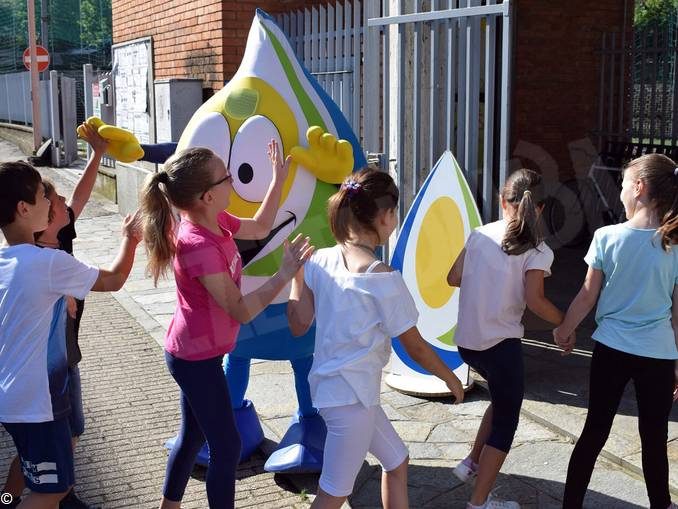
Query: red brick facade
[194,38]
[556,77]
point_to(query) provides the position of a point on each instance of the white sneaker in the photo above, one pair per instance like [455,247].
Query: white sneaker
[495,503]
[466,471]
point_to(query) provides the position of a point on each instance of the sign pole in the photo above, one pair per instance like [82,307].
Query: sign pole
[35,83]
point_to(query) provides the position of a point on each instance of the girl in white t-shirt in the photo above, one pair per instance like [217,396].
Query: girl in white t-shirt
[359,304]
[500,271]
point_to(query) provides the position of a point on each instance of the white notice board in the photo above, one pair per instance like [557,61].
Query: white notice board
[133,81]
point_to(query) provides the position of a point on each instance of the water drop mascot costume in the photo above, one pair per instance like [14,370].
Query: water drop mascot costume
[271,96]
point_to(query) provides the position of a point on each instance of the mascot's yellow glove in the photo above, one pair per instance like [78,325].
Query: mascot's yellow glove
[123,146]
[329,159]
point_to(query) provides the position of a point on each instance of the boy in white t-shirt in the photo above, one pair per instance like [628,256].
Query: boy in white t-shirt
[33,368]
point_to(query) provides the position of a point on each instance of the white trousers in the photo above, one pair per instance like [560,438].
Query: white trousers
[352,432]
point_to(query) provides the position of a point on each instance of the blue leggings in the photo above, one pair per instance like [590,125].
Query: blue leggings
[502,367]
[206,413]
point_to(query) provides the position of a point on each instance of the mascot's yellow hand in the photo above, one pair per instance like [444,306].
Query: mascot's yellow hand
[123,146]
[329,159]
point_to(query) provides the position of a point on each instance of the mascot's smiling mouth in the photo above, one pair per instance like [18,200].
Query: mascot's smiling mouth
[250,248]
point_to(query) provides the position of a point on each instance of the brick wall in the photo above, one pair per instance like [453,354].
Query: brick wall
[556,78]
[194,38]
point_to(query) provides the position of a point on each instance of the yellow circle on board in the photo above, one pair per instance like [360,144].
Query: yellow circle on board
[441,239]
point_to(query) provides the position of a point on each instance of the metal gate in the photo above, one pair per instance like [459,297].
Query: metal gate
[328,40]
[436,77]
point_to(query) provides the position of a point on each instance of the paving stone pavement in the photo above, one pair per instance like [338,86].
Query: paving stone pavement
[131,407]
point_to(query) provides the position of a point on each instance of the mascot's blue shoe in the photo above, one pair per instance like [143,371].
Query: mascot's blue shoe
[301,449]
[251,434]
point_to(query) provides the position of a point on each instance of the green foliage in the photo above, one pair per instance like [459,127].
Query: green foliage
[659,13]
[79,31]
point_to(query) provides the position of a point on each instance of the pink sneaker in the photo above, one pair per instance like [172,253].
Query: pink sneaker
[466,471]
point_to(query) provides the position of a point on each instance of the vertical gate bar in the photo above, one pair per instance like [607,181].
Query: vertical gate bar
[347,84]
[416,107]
[370,90]
[488,132]
[357,69]
[433,84]
[308,58]
[401,117]
[663,128]
[322,46]
[385,93]
[505,135]
[339,57]
[473,100]
[653,90]
[331,58]
[462,88]
[641,106]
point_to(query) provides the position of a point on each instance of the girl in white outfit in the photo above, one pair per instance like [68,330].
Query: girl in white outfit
[359,304]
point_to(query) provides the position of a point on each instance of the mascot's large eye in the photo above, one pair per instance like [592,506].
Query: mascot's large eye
[250,165]
[213,132]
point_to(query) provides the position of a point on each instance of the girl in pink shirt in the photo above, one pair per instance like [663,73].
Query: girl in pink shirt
[210,306]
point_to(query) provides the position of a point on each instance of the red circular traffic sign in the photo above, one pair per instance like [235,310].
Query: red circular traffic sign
[42,57]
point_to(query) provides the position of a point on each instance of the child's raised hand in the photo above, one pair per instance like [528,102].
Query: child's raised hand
[280,169]
[295,254]
[91,136]
[131,226]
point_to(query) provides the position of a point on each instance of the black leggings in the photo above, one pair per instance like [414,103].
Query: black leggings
[611,370]
[502,367]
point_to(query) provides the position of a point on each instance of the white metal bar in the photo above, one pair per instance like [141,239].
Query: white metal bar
[322,46]
[506,84]
[462,12]
[357,70]
[347,82]
[489,110]
[385,93]
[433,86]
[371,72]
[462,104]
[55,121]
[314,40]
[331,62]
[416,105]
[400,162]
[473,100]
[307,39]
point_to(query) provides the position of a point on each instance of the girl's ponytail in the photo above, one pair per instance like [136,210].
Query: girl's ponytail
[523,188]
[158,225]
[668,230]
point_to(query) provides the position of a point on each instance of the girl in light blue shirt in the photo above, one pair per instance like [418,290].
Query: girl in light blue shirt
[633,275]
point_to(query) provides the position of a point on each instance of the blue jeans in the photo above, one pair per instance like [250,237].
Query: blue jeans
[206,414]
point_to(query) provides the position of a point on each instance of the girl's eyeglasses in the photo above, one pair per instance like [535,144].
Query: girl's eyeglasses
[228,178]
